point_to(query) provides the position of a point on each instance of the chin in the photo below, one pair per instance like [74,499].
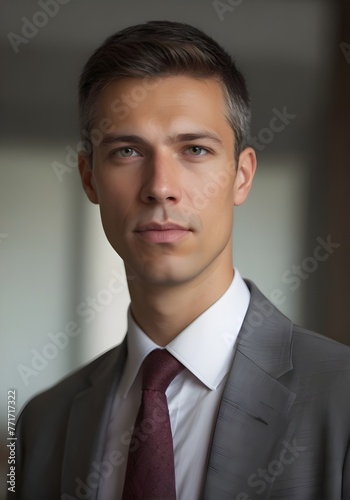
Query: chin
[163,278]
[169,275]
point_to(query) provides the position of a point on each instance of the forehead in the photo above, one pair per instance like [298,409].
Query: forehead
[163,102]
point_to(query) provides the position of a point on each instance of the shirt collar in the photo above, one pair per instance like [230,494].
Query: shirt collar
[205,347]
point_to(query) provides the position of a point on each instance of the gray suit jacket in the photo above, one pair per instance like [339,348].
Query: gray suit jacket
[282,431]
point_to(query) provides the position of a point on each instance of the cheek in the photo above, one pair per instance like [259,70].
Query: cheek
[114,208]
[216,223]
[116,197]
[210,199]
[217,215]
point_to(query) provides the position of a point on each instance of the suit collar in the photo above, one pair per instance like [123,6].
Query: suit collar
[210,359]
[254,408]
[86,427]
[266,335]
[109,361]
[253,413]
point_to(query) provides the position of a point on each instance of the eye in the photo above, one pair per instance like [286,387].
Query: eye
[125,152]
[196,150]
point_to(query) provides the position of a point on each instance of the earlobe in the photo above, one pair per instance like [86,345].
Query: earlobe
[245,174]
[86,175]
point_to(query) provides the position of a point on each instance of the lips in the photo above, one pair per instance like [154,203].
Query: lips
[167,232]
[156,226]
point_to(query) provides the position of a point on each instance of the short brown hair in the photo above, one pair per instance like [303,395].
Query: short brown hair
[160,49]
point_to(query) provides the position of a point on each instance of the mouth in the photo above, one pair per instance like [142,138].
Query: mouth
[167,232]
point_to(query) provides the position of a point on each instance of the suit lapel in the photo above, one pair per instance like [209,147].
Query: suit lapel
[254,407]
[87,426]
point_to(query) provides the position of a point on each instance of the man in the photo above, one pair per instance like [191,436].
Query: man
[259,408]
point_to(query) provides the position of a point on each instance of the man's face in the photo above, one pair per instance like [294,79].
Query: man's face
[165,178]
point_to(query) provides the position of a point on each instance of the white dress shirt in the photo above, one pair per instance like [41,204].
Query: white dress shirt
[206,349]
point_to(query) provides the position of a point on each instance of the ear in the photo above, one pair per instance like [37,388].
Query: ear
[87,177]
[244,176]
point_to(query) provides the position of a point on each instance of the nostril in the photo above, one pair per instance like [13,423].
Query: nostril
[159,199]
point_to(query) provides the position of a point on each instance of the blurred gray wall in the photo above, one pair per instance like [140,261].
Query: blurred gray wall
[53,254]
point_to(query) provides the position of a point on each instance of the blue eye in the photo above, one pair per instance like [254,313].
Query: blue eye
[126,152]
[196,150]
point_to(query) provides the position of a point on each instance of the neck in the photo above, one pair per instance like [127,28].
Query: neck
[162,312]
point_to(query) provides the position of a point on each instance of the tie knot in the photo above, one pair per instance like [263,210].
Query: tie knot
[158,370]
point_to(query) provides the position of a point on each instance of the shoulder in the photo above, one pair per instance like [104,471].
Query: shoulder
[302,357]
[303,343]
[324,344]
[58,398]
[319,353]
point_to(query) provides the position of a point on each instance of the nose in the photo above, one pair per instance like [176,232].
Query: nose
[161,180]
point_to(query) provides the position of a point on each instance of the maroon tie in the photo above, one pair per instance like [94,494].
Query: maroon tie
[150,470]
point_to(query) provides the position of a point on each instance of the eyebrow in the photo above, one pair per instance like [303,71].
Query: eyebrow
[184,137]
[116,138]
[195,136]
